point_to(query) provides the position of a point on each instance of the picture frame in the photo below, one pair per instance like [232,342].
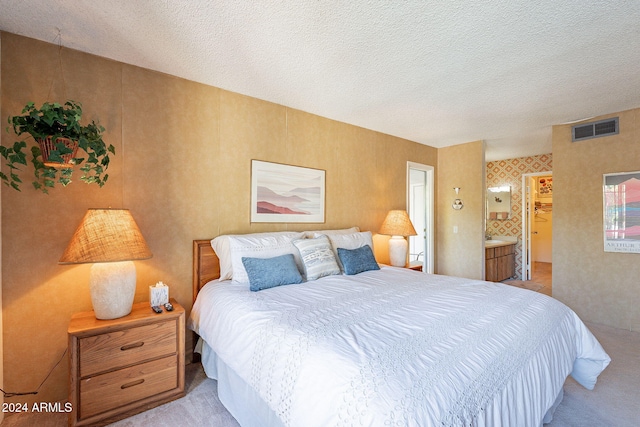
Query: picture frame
[286,193]
[621,212]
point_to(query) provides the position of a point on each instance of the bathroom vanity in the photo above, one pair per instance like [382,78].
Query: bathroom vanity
[500,261]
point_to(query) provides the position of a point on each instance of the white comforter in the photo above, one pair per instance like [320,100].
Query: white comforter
[398,347]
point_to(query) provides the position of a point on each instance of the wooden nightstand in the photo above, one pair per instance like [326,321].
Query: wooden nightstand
[415,265]
[123,366]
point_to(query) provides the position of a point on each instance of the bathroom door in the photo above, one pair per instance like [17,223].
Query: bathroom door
[420,209]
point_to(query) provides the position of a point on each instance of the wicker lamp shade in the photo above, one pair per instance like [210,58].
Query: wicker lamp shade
[397,223]
[106,235]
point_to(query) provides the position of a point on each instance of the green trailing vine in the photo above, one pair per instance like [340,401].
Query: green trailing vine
[59,122]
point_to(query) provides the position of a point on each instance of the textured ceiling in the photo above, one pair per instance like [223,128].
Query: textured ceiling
[436,72]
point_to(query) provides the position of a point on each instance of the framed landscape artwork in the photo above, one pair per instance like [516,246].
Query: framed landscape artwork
[284,193]
[621,192]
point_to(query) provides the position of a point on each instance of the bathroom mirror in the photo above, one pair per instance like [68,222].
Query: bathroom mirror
[499,202]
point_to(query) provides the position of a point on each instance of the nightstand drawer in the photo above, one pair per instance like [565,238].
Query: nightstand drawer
[119,367]
[104,352]
[111,390]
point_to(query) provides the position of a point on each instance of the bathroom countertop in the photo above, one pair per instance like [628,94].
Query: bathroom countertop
[497,243]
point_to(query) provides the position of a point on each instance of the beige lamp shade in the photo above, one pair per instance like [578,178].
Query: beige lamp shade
[110,239]
[106,235]
[397,223]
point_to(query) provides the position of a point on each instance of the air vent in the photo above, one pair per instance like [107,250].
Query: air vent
[595,129]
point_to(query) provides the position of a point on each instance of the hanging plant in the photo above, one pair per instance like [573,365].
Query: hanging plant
[59,136]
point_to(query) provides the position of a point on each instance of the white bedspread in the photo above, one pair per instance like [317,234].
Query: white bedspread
[398,347]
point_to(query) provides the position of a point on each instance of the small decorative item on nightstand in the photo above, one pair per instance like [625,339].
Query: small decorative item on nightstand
[158,294]
[123,366]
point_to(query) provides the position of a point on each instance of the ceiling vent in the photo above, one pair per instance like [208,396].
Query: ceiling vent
[595,129]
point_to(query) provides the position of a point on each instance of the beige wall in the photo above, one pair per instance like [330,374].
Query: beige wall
[462,253]
[182,165]
[600,286]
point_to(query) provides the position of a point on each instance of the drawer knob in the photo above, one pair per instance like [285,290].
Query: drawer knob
[132,383]
[132,346]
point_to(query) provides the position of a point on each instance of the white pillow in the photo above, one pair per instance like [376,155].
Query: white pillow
[316,233]
[221,247]
[349,241]
[261,246]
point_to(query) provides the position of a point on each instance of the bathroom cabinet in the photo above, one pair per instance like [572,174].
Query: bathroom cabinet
[499,261]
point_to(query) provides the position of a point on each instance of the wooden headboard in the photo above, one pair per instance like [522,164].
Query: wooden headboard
[206,265]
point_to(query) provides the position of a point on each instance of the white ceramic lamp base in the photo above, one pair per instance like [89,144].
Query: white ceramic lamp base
[113,287]
[398,251]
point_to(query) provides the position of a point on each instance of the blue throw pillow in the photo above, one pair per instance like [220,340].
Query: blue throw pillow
[356,261]
[265,273]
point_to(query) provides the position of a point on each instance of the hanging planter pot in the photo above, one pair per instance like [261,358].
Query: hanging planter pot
[54,151]
[59,136]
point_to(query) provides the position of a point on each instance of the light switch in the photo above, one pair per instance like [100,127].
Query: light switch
[455,229]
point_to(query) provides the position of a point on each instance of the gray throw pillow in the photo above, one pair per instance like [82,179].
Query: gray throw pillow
[317,257]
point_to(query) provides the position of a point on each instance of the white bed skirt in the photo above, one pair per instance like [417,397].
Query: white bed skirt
[244,403]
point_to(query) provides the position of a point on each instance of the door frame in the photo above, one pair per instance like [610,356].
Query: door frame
[429,258]
[527,220]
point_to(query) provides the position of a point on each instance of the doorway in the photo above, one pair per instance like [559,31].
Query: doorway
[420,188]
[537,226]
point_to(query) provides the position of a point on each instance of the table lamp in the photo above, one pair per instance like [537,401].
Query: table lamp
[111,239]
[398,225]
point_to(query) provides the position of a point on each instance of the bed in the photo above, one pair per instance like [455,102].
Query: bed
[384,346]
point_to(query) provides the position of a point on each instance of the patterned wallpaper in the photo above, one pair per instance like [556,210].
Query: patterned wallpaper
[509,172]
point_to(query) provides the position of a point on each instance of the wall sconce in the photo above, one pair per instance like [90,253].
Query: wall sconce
[457,203]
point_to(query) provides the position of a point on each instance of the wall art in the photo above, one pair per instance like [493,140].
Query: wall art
[284,193]
[621,192]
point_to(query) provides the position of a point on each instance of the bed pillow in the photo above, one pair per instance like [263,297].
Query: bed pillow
[358,260]
[316,233]
[317,257]
[221,247]
[265,273]
[260,246]
[351,240]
